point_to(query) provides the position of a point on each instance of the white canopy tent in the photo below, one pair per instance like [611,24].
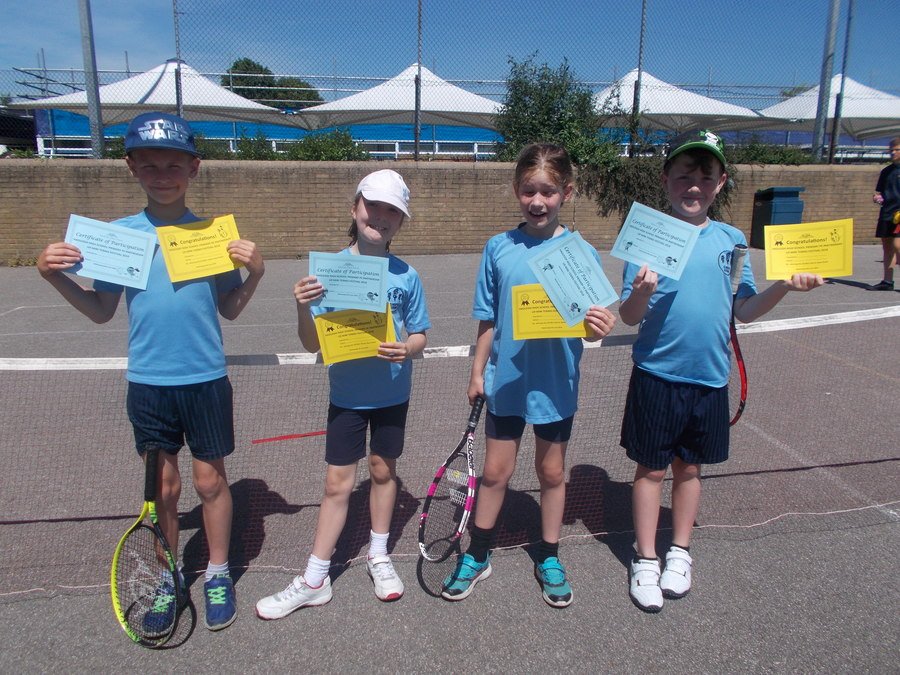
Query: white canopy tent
[667,107]
[394,102]
[154,90]
[865,112]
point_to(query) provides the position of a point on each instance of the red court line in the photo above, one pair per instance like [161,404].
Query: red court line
[288,437]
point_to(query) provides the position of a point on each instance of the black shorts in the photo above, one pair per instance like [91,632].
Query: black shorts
[166,417]
[345,438]
[512,427]
[664,420]
[886,228]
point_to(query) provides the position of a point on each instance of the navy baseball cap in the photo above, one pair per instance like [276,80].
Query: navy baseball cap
[160,130]
[701,140]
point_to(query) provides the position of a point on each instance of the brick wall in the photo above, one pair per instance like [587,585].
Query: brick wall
[294,207]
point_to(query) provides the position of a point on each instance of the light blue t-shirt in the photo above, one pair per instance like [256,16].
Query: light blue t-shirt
[174,336]
[533,379]
[366,384]
[684,335]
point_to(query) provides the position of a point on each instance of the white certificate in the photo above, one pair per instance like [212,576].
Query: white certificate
[119,255]
[657,240]
[350,281]
[572,278]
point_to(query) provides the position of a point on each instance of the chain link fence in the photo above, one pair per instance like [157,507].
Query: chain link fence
[291,55]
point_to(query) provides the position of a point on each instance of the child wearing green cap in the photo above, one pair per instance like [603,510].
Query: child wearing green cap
[178,387]
[676,412]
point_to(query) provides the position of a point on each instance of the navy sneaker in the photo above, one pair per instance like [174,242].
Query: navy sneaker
[461,582]
[551,575]
[161,615]
[221,606]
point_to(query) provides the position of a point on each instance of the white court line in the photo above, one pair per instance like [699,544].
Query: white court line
[295,359]
[820,320]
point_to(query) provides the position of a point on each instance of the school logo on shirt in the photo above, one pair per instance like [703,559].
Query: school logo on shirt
[725,262]
[395,296]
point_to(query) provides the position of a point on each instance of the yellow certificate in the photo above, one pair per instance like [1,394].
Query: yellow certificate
[195,250]
[353,333]
[534,316]
[824,248]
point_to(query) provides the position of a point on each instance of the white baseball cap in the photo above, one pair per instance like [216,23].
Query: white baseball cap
[386,186]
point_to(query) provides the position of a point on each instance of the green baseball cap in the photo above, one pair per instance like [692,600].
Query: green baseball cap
[702,140]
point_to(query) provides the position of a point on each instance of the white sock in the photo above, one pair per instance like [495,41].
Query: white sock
[213,570]
[316,571]
[378,543]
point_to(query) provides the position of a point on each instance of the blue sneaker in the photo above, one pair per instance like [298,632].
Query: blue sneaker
[221,606]
[468,572]
[551,575]
[161,615]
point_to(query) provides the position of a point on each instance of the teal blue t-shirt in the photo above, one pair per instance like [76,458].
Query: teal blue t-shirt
[366,384]
[684,335]
[533,379]
[174,336]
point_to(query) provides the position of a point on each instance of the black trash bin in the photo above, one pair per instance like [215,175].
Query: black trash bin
[774,206]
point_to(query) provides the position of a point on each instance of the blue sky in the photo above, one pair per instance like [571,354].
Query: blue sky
[687,41]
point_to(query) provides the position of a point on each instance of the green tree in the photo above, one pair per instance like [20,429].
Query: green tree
[258,147]
[549,105]
[253,80]
[335,145]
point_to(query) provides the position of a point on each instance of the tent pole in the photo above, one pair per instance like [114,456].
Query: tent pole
[839,101]
[818,144]
[179,100]
[418,114]
[636,101]
[90,77]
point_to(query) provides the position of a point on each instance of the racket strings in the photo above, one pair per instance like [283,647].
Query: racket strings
[144,582]
[446,509]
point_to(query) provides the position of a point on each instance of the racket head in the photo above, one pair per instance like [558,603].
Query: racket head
[451,497]
[143,567]
[446,509]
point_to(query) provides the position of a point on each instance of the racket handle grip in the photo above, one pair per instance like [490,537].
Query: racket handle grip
[150,473]
[737,266]
[475,415]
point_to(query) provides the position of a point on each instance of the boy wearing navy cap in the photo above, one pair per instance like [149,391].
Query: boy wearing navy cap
[178,386]
[676,411]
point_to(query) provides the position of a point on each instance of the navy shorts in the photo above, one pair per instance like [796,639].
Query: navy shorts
[510,428]
[166,417]
[664,420]
[345,438]
[886,228]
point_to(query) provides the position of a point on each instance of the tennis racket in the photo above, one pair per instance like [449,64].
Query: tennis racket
[737,385]
[451,496]
[145,596]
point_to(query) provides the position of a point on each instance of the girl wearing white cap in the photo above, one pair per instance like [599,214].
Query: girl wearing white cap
[365,394]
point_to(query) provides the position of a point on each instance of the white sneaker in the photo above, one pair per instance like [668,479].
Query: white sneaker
[644,582]
[387,584]
[298,594]
[675,581]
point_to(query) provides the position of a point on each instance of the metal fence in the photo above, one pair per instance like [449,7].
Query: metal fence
[293,54]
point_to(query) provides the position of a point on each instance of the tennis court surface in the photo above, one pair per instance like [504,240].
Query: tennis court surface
[794,550]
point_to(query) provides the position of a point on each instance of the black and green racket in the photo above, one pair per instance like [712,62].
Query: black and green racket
[145,594]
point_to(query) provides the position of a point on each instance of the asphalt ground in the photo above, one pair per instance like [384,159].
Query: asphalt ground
[794,547]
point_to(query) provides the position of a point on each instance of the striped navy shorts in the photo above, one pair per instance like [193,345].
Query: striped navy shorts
[664,420]
[165,417]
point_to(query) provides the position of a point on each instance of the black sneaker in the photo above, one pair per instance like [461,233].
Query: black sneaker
[882,286]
